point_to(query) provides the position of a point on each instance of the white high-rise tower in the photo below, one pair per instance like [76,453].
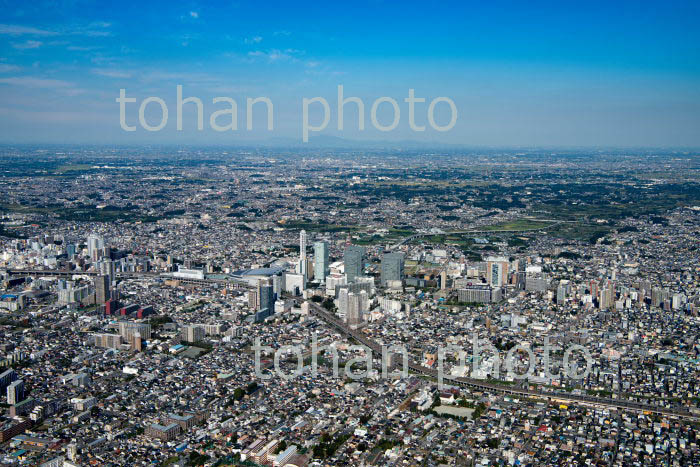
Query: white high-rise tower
[302,253]
[302,244]
[95,244]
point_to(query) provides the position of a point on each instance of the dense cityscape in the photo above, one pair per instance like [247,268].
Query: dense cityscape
[234,306]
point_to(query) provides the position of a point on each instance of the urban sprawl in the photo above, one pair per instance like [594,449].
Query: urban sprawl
[135,284]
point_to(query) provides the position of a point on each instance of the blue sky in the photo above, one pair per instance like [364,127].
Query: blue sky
[520,73]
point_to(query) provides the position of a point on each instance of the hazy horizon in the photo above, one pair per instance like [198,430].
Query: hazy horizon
[542,74]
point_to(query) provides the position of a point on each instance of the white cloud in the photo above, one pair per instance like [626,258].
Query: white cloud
[275,55]
[5,68]
[178,77]
[54,116]
[56,85]
[253,40]
[27,45]
[112,73]
[17,30]
[79,48]
[93,33]
[94,29]
[30,82]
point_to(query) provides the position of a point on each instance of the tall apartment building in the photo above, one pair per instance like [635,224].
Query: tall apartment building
[127,329]
[563,291]
[358,303]
[193,333]
[15,392]
[253,299]
[107,341]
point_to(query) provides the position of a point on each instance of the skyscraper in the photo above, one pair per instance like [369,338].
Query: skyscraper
[321,260]
[353,259]
[606,298]
[102,290]
[266,295]
[497,271]
[392,267]
[95,244]
[302,253]
[302,244]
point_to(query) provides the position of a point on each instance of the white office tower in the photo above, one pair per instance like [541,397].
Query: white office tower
[106,267]
[678,300]
[95,244]
[302,244]
[302,253]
